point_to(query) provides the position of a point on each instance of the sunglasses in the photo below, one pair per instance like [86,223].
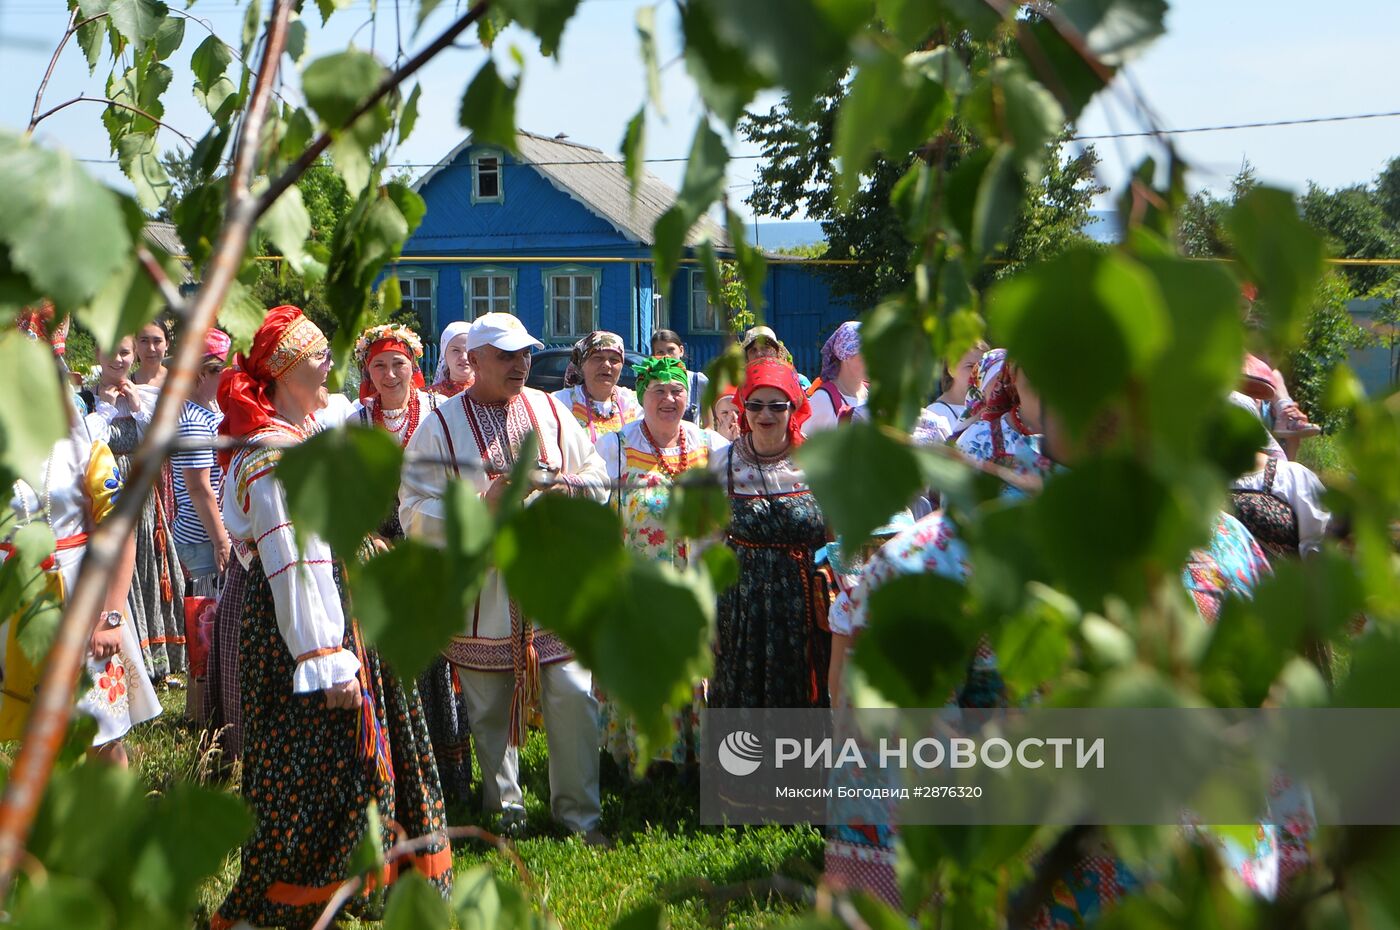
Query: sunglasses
[777,406]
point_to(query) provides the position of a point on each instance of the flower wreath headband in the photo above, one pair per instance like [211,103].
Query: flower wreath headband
[387,332]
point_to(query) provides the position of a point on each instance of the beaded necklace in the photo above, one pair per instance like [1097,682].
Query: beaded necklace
[661,462]
[408,419]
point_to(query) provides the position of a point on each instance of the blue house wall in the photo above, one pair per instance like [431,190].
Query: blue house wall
[538,221]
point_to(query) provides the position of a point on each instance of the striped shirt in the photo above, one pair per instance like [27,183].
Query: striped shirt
[196,422]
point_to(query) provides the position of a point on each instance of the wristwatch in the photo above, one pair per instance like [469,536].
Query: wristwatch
[113,618]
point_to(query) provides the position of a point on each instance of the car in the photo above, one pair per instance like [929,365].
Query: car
[547,369]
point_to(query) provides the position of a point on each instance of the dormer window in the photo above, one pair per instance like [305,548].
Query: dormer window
[486,177]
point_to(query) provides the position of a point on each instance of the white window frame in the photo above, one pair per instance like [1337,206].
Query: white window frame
[409,273]
[487,272]
[477,157]
[697,287]
[660,312]
[571,271]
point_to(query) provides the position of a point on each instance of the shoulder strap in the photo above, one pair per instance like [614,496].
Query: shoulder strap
[838,403]
[998,439]
[1270,472]
[447,434]
[730,467]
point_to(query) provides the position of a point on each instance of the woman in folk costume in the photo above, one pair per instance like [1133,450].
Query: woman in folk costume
[505,662]
[1001,423]
[770,649]
[454,371]
[326,727]
[644,459]
[78,488]
[591,391]
[158,588]
[391,397]
[843,390]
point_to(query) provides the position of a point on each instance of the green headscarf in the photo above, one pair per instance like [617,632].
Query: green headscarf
[660,371]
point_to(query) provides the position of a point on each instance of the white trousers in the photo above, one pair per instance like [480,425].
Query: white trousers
[571,725]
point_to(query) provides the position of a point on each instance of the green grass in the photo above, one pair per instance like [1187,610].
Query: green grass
[660,852]
[1324,455]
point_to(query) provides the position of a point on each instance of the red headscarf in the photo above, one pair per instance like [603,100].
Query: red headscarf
[379,347]
[284,339]
[769,372]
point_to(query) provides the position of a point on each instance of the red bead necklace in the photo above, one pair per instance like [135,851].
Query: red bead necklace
[405,432]
[661,462]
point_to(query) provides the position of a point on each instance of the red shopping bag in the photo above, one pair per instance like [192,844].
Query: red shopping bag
[199,631]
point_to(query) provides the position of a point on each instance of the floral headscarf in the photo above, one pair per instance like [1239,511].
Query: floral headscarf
[840,345]
[597,341]
[984,376]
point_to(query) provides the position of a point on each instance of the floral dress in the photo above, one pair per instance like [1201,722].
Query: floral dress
[642,475]
[770,649]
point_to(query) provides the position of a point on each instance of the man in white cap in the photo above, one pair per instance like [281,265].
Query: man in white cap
[503,660]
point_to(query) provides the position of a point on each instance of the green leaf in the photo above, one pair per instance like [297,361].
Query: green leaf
[1370,682]
[288,224]
[703,184]
[752,266]
[555,581]
[999,197]
[296,133]
[29,430]
[416,905]
[425,9]
[335,85]
[698,506]
[241,315]
[897,343]
[328,7]
[634,150]
[646,917]
[1083,304]
[209,63]
[140,161]
[545,18]
[830,457]
[137,21]
[1033,647]
[488,108]
[724,77]
[916,648]
[722,565]
[800,44]
[90,36]
[198,217]
[415,578]
[1115,30]
[296,41]
[343,482]
[871,106]
[1060,67]
[646,34]
[1280,253]
[128,301]
[177,861]
[409,119]
[51,210]
[252,23]
[22,577]
[169,36]
[368,856]
[482,901]
[63,901]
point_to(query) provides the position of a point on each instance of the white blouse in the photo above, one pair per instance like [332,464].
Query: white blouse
[823,414]
[1300,488]
[741,473]
[302,577]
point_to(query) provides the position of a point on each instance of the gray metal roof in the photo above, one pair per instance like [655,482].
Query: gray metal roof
[599,182]
[164,237]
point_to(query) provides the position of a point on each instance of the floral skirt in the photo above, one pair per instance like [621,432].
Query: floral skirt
[445,709]
[619,732]
[310,783]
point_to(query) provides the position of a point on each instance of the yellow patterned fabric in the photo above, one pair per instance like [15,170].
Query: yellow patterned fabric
[104,481]
[21,675]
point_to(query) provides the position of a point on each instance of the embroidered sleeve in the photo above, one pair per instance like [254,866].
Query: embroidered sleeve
[304,593]
[584,472]
[424,484]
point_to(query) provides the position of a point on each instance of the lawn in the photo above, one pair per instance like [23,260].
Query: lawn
[706,877]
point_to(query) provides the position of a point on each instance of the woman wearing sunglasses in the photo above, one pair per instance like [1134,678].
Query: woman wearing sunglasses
[770,649]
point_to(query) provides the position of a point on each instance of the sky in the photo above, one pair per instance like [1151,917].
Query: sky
[1221,62]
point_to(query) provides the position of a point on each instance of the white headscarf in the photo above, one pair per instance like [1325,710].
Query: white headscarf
[452,331]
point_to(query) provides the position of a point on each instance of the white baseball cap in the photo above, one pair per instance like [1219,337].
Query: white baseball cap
[502,330]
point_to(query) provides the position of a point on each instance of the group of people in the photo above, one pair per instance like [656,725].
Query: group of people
[323,726]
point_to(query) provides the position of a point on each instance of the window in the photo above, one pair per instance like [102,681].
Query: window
[419,289]
[705,316]
[488,289]
[571,301]
[486,177]
[660,318]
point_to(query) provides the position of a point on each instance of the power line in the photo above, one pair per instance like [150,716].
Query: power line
[1230,127]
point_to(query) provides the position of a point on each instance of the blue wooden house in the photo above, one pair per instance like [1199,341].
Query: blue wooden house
[552,234]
